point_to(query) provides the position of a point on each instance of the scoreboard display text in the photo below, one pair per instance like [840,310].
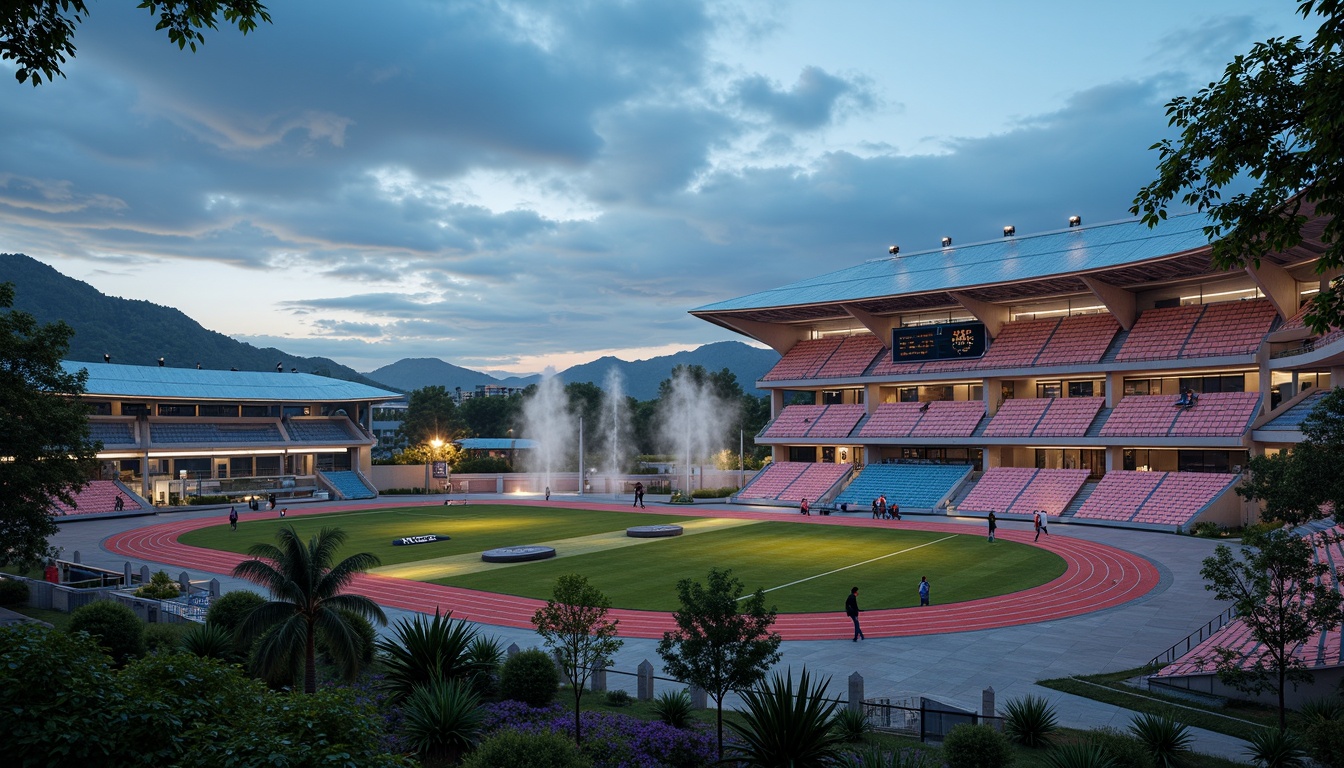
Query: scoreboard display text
[945,341]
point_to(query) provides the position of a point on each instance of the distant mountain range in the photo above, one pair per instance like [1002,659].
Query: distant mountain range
[140,332]
[640,378]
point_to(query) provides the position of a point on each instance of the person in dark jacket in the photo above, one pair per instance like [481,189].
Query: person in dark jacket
[852,611]
[993,524]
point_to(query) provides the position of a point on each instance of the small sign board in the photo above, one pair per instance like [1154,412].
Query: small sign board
[440,469]
[945,341]
[428,538]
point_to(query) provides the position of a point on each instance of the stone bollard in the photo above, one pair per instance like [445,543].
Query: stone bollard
[513,650]
[699,699]
[144,574]
[214,588]
[597,681]
[644,688]
[75,556]
[855,692]
[184,581]
[987,702]
[126,574]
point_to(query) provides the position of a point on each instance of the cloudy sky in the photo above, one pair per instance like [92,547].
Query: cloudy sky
[515,185]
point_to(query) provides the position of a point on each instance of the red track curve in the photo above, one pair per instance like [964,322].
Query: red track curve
[1096,577]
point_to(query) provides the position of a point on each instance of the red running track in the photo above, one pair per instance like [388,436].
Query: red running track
[1096,577]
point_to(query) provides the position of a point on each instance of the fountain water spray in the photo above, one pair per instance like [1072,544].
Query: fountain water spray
[616,422]
[692,420]
[547,420]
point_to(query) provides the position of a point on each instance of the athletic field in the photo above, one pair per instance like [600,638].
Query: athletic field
[804,568]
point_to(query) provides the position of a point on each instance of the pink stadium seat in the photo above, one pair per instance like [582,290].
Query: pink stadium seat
[1017,418]
[1018,344]
[1120,494]
[949,418]
[1231,328]
[851,358]
[803,360]
[98,497]
[1050,490]
[1068,417]
[1160,334]
[815,481]
[997,489]
[794,421]
[836,421]
[773,480]
[892,420]
[1079,339]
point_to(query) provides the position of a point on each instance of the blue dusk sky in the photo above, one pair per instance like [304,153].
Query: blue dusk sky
[512,186]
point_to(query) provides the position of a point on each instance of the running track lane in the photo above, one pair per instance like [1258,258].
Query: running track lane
[1096,577]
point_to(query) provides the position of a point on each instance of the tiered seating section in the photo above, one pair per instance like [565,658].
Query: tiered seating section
[1217,414]
[1323,650]
[912,486]
[348,485]
[794,481]
[99,497]
[815,421]
[110,433]
[214,433]
[1291,419]
[827,358]
[1074,340]
[946,418]
[317,431]
[1154,498]
[1021,490]
[1045,417]
[1198,330]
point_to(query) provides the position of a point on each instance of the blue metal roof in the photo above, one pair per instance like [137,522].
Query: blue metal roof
[113,380]
[494,444]
[1011,259]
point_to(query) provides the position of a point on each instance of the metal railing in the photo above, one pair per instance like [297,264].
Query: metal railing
[1194,638]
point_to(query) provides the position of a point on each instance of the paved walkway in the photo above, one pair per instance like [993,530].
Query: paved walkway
[953,667]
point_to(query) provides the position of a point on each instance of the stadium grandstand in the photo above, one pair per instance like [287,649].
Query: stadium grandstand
[1107,374]
[169,434]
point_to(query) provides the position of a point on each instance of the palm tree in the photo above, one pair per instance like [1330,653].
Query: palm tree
[308,604]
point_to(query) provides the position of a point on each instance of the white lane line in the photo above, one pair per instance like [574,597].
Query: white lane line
[856,565]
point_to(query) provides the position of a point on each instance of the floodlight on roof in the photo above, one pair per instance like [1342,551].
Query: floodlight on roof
[1075,221]
[893,249]
[1009,231]
[107,358]
[160,362]
[947,242]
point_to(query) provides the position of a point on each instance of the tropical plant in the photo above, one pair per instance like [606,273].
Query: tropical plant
[1125,750]
[574,625]
[160,587]
[674,708]
[1079,754]
[1322,708]
[781,726]
[13,592]
[976,746]
[530,677]
[309,598]
[442,719]
[618,698]
[1325,742]
[52,689]
[518,749]
[228,612]
[422,650]
[115,626]
[1030,721]
[1276,748]
[852,725]
[486,653]
[209,641]
[1167,740]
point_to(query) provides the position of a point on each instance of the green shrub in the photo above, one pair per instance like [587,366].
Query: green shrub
[1325,742]
[908,757]
[209,641]
[530,677]
[13,592]
[674,708]
[485,654]
[1167,741]
[205,500]
[781,725]
[1125,750]
[851,725]
[368,636]
[713,493]
[1323,708]
[116,628]
[164,638]
[1083,754]
[1207,529]
[442,719]
[228,611]
[678,497]
[513,749]
[483,465]
[160,587]
[1273,748]
[618,698]
[976,746]
[1030,721]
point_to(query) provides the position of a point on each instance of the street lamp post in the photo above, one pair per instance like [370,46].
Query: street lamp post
[434,445]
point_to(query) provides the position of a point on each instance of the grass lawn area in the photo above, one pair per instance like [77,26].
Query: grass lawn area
[804,568]
[57,619]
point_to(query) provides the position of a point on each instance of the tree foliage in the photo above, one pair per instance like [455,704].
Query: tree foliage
[1302,483]
[431,414]
[307,606]
[1270,123]
[491,416]
[574,625]
[1276,588]
[38,34]
[722,642]
[45,450]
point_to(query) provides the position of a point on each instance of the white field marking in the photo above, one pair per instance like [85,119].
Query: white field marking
[856,565]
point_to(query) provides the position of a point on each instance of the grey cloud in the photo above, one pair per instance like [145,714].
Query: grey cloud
[810,103]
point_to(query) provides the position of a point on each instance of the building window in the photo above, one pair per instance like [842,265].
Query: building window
[177,410]
[218,410]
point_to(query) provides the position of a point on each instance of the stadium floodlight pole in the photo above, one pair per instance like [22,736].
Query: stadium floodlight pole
[741,457]
[580,455]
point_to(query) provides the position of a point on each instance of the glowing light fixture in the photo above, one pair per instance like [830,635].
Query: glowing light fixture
[1009,231]
[947,242]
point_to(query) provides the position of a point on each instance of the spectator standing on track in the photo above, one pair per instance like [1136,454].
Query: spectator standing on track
[1042,525]
[271,499]
[852,611]
[233,518]
[882,507]
[923,590]
[283,510]
[548,493]
[639,495]
[896,510]
[993,524]
[876,514]
[804,508]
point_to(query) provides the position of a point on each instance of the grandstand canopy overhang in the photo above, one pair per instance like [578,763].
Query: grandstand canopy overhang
[149,382]
[1104,261]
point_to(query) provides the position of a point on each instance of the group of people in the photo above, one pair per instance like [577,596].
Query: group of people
[852,609]
[1039,520]
[883,512]
[233,511]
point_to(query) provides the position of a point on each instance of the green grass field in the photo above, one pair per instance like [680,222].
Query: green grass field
[804,568]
